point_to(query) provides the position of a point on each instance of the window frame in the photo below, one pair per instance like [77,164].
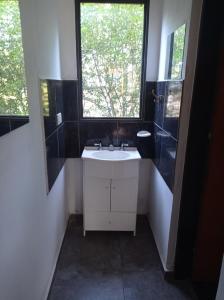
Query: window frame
[144,58]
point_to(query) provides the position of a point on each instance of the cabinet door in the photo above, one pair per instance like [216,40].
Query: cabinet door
[124,194]
[96,194]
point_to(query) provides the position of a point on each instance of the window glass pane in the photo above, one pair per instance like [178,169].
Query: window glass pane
[178,52]
[111,46]
[13,93]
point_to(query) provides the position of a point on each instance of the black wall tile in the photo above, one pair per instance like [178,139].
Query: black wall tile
[61,146]
[149,104]
[75,134]
[157,145]
[98,131]
[172,107]
[165,147]
[167,160]
[9,123]
[59,97]
[4,125]
[17,122]
[127,133]
[160,102]
[53,166]
[70,100]
[71,140]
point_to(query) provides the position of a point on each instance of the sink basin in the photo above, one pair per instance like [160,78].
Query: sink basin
[106,155]
[111,155]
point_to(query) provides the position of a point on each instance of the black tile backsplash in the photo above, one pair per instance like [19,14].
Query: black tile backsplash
[70,100]
[172,107]
[159,102]
[149,104]
[9,123]
[71,138]
[165,154]
[16,122]
[4,125]
[53,103]
[58,85]
[127,133]
[166,125]
[61,146]
[160,117]
[53,166]
[98,131]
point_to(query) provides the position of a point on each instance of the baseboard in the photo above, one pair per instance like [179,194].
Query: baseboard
[47,292]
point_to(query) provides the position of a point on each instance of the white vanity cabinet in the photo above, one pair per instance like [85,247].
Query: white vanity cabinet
[110,191]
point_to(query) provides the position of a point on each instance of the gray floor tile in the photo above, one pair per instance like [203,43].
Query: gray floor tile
[100,287]
[139,253]
[112,266]
[151,285]
[98,251]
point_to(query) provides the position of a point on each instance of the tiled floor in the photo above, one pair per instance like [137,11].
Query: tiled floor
[112,266]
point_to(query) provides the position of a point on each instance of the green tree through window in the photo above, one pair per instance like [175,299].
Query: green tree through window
[13,95]
[177,58]
[111,48]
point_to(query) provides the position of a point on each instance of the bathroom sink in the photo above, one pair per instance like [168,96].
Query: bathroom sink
[106,155]
[111,155]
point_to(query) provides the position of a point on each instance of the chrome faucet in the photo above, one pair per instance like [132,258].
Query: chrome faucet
[98,145]
[123,146]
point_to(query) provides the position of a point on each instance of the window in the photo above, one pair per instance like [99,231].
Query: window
[176,43]
[13,93]
[111,38]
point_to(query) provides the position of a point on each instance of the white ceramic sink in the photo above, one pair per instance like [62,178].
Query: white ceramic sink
[106,155]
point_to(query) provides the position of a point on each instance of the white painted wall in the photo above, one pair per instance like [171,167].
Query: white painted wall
[47,39]
[160,208]
[67,38]
[154,39]
[144,186]
[74,185]
[175,14]
[32,224]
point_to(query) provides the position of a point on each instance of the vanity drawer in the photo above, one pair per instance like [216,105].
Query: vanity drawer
[110,221]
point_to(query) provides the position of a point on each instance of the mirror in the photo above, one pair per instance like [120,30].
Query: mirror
[13,91]
[175,53]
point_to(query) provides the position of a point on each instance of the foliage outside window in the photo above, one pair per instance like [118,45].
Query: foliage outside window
[111,49]
[176,53]
[13,92]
